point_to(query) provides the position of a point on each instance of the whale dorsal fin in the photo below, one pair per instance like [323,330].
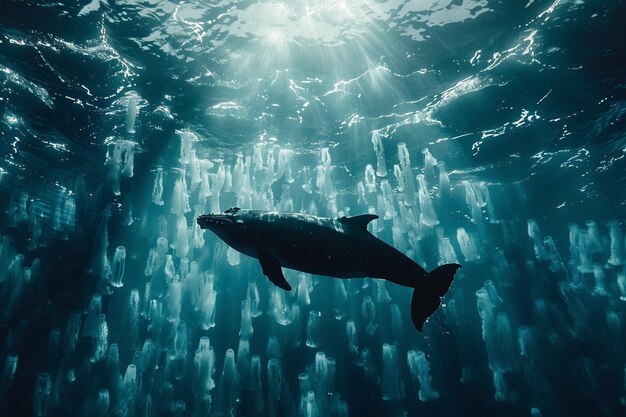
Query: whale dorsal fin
[359,222]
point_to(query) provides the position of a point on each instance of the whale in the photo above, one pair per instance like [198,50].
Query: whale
[334,247]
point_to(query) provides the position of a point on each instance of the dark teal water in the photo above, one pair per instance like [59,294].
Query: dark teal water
[522,102]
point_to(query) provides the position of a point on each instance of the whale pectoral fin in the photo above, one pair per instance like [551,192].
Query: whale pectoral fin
[271,269]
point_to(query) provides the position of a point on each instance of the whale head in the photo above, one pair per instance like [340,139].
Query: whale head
[220,222]
[229,226]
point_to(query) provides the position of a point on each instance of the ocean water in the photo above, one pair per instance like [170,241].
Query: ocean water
[488,133]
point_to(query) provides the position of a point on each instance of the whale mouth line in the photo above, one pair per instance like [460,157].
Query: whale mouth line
[207,220]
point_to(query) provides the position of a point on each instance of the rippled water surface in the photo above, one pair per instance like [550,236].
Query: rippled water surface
[485,132]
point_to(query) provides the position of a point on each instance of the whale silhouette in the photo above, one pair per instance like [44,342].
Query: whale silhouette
[340,248]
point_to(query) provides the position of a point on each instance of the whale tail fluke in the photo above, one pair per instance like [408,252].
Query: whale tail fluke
[427,295]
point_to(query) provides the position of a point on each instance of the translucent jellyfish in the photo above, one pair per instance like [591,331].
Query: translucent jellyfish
[128,163]
[174,301]
[114,162]
[304,289]
[379,149]
[616,236]
[526,341]
[228,179]
[473,205]
[407,174]
[204,364]
[244,364]
[180,196]
[398,233]
[304,384]
[500,386]
[92,320]
[13,288]
[367,362]
[595,240]
[187,138]
[133,318]
[205,183]
[308,405]
[130,387]
[286,202]
[535,234]
[252,294]
[169,269]
[157,188]
[41,397]
[353,342]
[321,375]
[368,313]
[313,331]
[382,295]
[486,313]
[101,341]
[295,329]
[388,200]
[284,166]
[505,358]
[273,349]
[340,299]
[584,249]
[306,180]
[246,328]
[102,402]
[100,265]
[277,308]
[332,371]
[397,327]
[428,216]
[72,330]
[274,382]
[444,180]
[131,112]
[207,307]
[8,373]
[397,172]
[420,373]
[621,285]
[257,384]
[492,293]
[325,182]
[270,168]
[599,280]
[197,232]
[233,256]
[178,408]
[119,266]
[370,178]
[446,251]
[390,383]
[553,255]
[467,245]
[228,387]
[217,183]
[178,355]
[574,244]
[374,226]
[237,175]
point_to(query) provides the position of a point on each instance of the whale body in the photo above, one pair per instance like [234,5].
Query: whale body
[340,248]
